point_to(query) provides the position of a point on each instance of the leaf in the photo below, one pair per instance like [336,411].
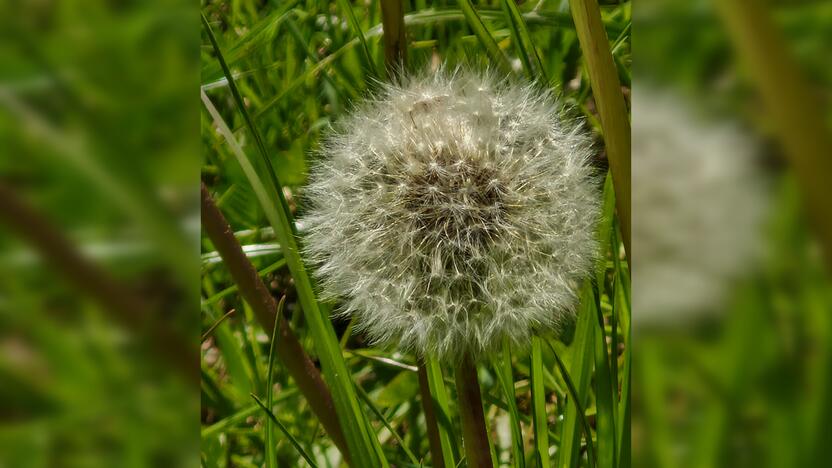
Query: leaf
[541,422]
[485,38]
[523,42]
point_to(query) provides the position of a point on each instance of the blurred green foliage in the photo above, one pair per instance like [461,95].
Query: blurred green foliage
[749,386]
[98,136]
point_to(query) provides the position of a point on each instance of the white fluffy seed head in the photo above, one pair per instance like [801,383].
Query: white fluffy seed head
[452,211]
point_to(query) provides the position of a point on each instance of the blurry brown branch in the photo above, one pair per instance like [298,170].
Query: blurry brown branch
[121,302]
[791,103]
[289,350]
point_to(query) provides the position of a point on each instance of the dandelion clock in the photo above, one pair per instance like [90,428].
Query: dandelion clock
[453,211]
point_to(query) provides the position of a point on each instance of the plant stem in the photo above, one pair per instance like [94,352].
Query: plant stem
[289,350]
[395,42]
[788,98]
[474,434]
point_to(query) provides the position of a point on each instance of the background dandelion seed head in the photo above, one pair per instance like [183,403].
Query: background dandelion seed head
[454,210]
[699,202]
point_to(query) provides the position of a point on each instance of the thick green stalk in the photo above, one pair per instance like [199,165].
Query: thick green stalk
[609,99]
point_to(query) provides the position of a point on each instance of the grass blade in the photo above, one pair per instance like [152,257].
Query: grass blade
[621,314]
[286,432]
[346,8]
[485,37]
[605,396]
[363,395]
[576,400]
[606,89]
[240,416]
[502,369]
[215,325]
[541,422]
[523,41]
[440,404]
[579,377]
[214,298]
[363,447]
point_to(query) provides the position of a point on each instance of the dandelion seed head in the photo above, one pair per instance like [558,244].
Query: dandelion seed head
[454,210]
[699,201]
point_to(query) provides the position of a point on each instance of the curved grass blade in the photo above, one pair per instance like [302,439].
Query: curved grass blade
[286,432]
[229,422]
[363,395]
[541,422]
[543,18]
[502,369]
[523,41]
[345,6]
[257,36]
[214,298]
[485,37]
[575,396]
[323,63]
[364,447]
[621,309]
[216,324]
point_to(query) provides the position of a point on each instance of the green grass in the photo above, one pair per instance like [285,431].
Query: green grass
[288,72]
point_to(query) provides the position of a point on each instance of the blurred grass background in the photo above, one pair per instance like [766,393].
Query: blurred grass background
[99,266]
[747,383]
[298,65]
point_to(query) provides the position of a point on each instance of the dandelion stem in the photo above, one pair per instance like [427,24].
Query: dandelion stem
[474,434]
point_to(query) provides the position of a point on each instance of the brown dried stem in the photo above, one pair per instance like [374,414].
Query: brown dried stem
[289,350]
